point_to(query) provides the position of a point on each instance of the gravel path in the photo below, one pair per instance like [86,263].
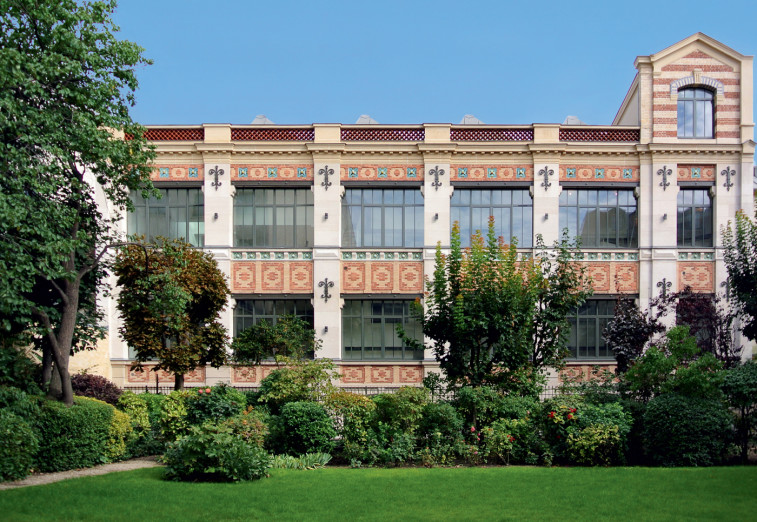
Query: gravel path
[47,478]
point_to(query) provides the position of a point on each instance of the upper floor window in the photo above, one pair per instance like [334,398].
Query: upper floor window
[275,218]
[512,211]
[695,109]
[694,218]
[249,312]
[382,218]
[600,218]
[180,213]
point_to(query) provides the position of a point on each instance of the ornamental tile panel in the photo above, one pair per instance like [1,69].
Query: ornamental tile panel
[614,277]
[300,277]
[491,172]
[353,277]
[599,173]
[367,172]
[149,372]
[353,374]
[411,374]
[700,276]
[382,277]
[411,278]
[272,277]
[382,374]
[243,374]
[696,173]
[177,172]
[274,173]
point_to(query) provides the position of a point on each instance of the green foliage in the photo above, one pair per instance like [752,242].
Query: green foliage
[352,415]
[73,437]
[17,369]
[302,427]
[142,440]
[595,445]
[482,406]
[439,434]
[298,380]
[173,415]
[686,431]
[18,446]
[119,435]
[214,452]
[402,410]
[171,307]
[18,402]
[216,403]
[629,331]
[740,389]
[249,426]
[96,387]
[303,462]
[65,95]
[558,417]
[495,319]
[740,254]
[499,440]
[435,384]
[291,337]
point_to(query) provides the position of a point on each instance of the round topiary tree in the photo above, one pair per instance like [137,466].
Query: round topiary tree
[303,427]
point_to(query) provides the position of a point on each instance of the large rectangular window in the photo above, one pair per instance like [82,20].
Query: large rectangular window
[180,213]
[512,210]
[600,218]
[382,218]
[369,330]
[694,218]
[587,325]
[273,218]
[251,311]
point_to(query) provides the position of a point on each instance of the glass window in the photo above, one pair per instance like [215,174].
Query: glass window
[600,218]
[587,325]
[179,214]
[251,311]
[512,210]
[694,218]
[369,330]
[273,217]
[382,218]
[695,111]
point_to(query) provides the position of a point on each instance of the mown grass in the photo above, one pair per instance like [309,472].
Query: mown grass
[401,494]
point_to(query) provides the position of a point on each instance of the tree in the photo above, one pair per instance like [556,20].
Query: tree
[494,318]
[170,301]
[629,331]
[67,82]
[740,254]
[290,336]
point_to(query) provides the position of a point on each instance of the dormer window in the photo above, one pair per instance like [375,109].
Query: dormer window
[695,110]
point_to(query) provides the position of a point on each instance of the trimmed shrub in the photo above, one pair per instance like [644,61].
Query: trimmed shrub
[18,402]
[439,433]
[249,426]
[213,452]
[595,445]
[686,431]
[142,440]
[484,405]
[351,414]
[401,410]
[214,404]
[18,446]
[74,437]
[303,427]
[173,415]
[119,435]
[96,387]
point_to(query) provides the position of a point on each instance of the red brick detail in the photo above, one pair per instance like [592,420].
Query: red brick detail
[353,277]
[370,172]
[588,173]
[697,54]
[243,277]
[600,277]
[481,172]
[705,68]
[171,134]
[584,372]
[700,276]
[613,277]
[148,376]
[383,134]
[625,277]
[260,172]
[492,134]
[382,374]
[707,172]
[601,135]
[382,277]
[243,374]
[300,277]
[411,374]
[178,172]
[411,277]
[269,134]
[272,277]
[353,374]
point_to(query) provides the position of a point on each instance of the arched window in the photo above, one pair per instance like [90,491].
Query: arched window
[695,110]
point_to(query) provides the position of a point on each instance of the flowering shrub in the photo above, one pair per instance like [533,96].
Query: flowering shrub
[249,427]
[216,403]
[559,415]
[499,440]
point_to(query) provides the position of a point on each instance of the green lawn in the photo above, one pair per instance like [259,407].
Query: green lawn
[480,494]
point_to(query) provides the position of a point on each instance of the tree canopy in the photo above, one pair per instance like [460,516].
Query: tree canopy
[740,256]
[171,296]
[65,92]
[498,318]
[290,336]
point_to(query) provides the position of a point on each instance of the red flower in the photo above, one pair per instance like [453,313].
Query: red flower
[199,391]
[207,390]
[570,415]
[472,429]
[551,415]
[573,410]
[511,438]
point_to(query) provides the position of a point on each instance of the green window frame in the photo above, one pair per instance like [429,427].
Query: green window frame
[601,218]
[273,218]
[386,218]
[695,218]
[512,209]
[179,214]
[695,113]
[587,324]
[369,330]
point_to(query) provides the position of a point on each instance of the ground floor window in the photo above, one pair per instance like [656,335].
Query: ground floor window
[369,330]
[251,311]
[587,325]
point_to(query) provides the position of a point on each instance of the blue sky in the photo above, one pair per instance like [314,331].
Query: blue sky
[506,62]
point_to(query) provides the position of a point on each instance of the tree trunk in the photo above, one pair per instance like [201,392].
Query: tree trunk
[178,382]
[47,364]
